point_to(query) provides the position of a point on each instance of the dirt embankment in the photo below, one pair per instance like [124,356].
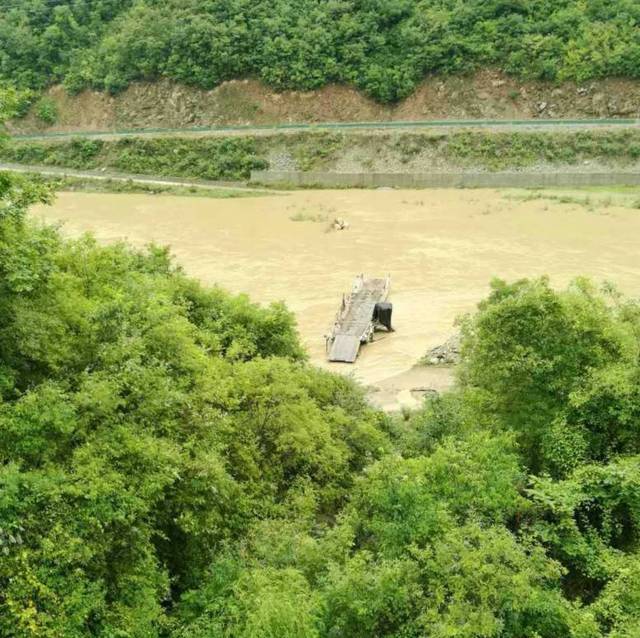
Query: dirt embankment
[488,94]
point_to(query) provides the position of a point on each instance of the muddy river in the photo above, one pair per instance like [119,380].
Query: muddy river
[441,248]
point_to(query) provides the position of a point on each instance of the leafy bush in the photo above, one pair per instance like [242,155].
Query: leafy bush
[14,102]
[208,158]
[539,353]
[47,111]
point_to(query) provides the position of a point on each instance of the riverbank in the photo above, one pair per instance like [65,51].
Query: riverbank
[411,152]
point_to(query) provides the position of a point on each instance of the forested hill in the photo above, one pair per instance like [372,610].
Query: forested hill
[384,47]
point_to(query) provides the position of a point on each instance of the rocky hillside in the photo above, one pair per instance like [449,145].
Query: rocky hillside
[486,94]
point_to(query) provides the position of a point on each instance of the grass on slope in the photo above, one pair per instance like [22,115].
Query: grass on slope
[234,157]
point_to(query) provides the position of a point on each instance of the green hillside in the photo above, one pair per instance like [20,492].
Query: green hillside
[384,47]
[172,467]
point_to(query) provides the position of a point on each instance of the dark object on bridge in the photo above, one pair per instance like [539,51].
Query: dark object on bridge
[382,314]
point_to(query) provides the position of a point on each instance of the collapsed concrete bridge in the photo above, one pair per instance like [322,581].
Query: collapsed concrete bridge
[361,313]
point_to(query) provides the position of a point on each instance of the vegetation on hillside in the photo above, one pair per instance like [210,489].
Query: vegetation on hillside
[234,157]
[231,158]
[172,467]
[385,47]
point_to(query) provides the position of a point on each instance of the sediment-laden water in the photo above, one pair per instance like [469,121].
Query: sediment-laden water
[441,247]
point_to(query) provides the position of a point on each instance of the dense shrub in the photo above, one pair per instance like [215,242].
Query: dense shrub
[551,362]
[384,47]
[230,158]
[47,111]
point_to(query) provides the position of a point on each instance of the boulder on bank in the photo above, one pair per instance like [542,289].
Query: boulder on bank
[446,354]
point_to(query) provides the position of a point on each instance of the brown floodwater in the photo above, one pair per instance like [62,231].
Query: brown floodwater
[441,248]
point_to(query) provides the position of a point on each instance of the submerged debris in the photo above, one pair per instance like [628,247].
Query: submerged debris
[424,392]
[340,224]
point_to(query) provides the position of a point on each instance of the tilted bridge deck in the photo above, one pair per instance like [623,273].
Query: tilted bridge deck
[354,323]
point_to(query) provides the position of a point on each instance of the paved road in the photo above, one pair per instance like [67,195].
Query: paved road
[125,177]
[536,124]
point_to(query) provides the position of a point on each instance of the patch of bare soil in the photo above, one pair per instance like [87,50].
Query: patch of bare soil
[488,94]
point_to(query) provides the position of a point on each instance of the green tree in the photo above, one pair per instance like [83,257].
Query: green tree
[529,351]
[146,422]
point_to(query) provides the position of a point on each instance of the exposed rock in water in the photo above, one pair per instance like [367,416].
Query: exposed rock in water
[446,354]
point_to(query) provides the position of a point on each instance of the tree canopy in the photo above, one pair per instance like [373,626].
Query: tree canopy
[171,466]
[384,47]
[146,423]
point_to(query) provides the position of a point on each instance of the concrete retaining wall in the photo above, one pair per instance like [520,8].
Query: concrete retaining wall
[443,180]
